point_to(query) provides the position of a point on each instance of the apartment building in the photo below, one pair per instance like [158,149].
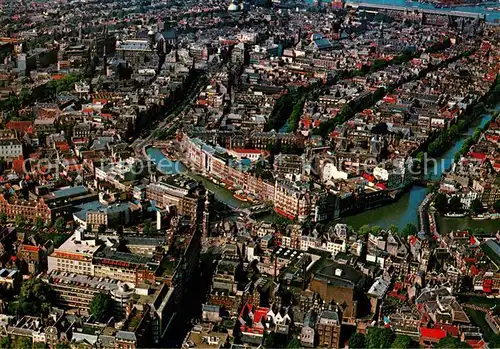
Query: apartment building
[328,329]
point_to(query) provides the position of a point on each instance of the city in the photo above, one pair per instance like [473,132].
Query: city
[249,174]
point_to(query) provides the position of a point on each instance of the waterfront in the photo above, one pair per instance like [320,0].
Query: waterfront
[173,167]
[404,210]
[491,16]
[400,212]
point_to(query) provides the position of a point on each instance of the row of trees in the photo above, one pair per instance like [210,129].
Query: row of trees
[443,205]
[469,142]
[39,224]
[441,142]
[40,93]
[409,229]
[378,337]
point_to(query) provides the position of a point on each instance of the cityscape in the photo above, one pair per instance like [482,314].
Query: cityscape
[249,174]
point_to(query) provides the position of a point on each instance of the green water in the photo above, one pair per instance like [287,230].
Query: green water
[173,167]
[405,210]
[400,213]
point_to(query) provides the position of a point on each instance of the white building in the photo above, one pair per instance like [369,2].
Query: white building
[10,148]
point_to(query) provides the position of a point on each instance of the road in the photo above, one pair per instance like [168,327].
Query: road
[170,121]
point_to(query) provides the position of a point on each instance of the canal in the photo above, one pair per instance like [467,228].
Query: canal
[164,165]
[400,213]
[491,16]
[404,210]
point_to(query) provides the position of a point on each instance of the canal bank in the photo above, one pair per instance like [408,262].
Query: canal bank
[491,15]
[405,210]
[164,165]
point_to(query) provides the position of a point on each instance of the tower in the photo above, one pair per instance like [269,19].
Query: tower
[206,218]
[104,54]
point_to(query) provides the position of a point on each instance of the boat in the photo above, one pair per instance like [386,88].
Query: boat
[240,197]
[481,217]
[454,215]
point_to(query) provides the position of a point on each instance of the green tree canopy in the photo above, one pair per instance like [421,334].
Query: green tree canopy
[455,205]
[476,206]
[365,230]
[101,306]
[35,297]
[496,206]
[378,338]
[357,341]
[60,225]
[62,346]
[394,228]
[39,223]
[24,343]
[3,217]
[409,229]
[403,342]
[5,342]
[20,221]
[441,202]
[450,342]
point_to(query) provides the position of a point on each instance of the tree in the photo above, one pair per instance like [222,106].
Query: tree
[60,225]
[357,341]
[40,345]
[450,342]
[148,227]
[19,221]
[365,230]
[102,229]
[476,206]
[39,223]
[409,229]
[24,343]
[35,297]
[441,202]
[496,206]
[5,343]
[378,337]
[394,228]
[102,306]
[62,346]
[494,342]
[376,230]
[455,205]
[294,343]
[3,217]
[403,342]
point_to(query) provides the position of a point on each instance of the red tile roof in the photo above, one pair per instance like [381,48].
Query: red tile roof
[432,333]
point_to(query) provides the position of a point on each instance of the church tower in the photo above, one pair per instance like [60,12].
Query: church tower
[206,218]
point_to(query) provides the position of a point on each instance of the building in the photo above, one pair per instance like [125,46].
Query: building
[10,279]
[342,284]
[328,329]
[74,255]
[10,149]
[291,200]
[186,196]
[77,290]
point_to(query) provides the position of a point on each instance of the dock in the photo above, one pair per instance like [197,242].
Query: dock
[444,12]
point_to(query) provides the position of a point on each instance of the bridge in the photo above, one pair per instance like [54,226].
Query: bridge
[366,5]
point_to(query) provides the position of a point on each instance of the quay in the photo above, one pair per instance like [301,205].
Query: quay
[444,12]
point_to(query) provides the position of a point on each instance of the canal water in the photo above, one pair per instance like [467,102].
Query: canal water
[174,167]
[400,213]
[491,16]
[405,210]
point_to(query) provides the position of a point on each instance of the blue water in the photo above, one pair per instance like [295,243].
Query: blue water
[491,16]
[163,164]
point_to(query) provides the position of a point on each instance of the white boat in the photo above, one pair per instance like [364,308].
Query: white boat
[455,215]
